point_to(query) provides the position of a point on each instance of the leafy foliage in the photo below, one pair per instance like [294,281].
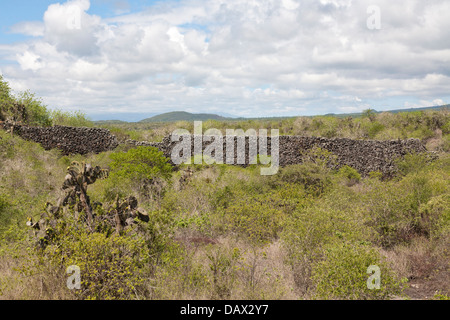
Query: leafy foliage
[349,174]
[37,112]
[71,119]
[111,266]
[342,274]
[225,232]
[143,169]
[140,164]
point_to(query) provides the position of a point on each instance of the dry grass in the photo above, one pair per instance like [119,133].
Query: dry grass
[27,281]
[425,264]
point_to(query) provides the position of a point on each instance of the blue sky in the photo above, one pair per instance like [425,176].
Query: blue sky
[13,12]
[245,58]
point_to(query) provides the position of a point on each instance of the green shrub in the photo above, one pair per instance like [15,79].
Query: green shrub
[25,107]
[255,218]
[111,267]
[222,265]
[435,216]
[374,129]
[313,174]
[342,274]
[179,275]
[328,220]
[311,177]
[37,112]
[143,168]
[350,175]
[140,163]
[394,208]
[4,216]
[5,90]
[446,128]
[331,218]
[446,143]
[370,114]
[71,119]
[6,99]
[411,163]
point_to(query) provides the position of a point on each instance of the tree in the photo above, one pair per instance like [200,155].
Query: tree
[370,113]
[145,167]
[24,108]
[5,90]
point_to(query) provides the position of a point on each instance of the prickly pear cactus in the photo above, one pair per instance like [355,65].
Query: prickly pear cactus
[119,215]
[44,228]
[79,176]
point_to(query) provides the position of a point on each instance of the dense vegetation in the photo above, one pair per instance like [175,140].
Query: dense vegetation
[432,127]
[226,232]
[27,108]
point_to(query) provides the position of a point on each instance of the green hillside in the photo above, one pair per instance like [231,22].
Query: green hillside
[183,116]
[447,106]
[186,116]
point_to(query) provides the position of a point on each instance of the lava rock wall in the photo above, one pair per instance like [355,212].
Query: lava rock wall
[363,155]
[70,140]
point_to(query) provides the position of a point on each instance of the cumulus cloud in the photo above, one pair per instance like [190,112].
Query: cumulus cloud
[29,28]
[247,58]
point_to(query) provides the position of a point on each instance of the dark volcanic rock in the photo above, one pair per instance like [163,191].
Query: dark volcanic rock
[70,140]
[363,155]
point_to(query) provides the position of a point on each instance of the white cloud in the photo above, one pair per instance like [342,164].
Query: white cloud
[30,61]
[30,28]
[243,57]
[425,103]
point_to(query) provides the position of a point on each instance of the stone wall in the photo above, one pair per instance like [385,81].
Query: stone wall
[69,140]
[363,155]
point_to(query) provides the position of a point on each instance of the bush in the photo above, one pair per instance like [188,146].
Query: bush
[370,114]
[350,175]
[5,90]
[143,168]
[71,119]
[374,129]
[25,108]
[342,274]
[255,218]
[4,217]
[411,163]
[140,163]
[394,208]
[313,178]
[111,267]
[435,216]
[37,113]
[334,217]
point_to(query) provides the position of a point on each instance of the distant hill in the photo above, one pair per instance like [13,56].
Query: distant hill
[183,116]
[186,116]
[100,122]
[359,114]
[447,106]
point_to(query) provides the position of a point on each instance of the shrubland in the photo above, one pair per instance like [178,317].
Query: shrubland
[26,108]
[226,232]
[432,127]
